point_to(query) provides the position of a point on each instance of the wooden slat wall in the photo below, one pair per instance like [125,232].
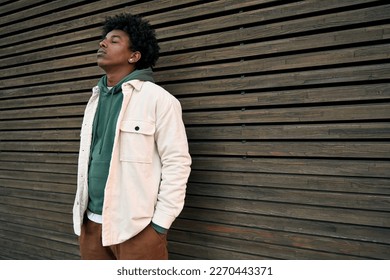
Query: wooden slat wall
[287,110]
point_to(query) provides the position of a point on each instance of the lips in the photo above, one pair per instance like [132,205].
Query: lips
[101,52]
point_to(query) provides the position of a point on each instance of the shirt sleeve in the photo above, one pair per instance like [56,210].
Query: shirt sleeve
[173,150]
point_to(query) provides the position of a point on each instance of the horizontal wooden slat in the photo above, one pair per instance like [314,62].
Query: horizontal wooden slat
[54,76]
[272,47]
[62,40]
[305,78]
[33,11]
[61,198]
[50,207]
[47,100]
[295,211]
[257,249]
[39,223]
[207,252]
[287,62]
[56,123]
[304,114]
[240,132]
[63,14]
[294,149]
[292,115]
[67,111]
[46,135]
[250,16]
[39,246]
[298,96]
[337,246]
[62,158]
[279,63]
[302,197]
[42,167]
[351,55]
[88,21]
[57,52]
[39,176]
[47,13]
[46,187]
[61,238]
[292,131]
[57,64]
[11,208]
[202,9]
[325,94]
[339,167]
[12,254]
[278,149]
[58,88]
[336,184]
[286,224]
[35,253]
[15,5]
[289,115]
[285,28]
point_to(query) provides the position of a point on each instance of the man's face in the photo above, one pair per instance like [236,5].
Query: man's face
[114,51]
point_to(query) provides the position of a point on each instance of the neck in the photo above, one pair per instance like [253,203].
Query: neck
[115,76]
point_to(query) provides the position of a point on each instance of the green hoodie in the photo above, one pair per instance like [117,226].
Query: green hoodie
[103,133]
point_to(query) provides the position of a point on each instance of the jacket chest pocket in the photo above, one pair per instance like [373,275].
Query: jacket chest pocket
[137,141]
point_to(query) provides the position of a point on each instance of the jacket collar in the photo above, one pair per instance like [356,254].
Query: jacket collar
[136,84]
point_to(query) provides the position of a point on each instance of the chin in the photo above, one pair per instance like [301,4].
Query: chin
[101,64]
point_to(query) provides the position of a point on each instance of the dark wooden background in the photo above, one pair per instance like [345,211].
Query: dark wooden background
[287,110]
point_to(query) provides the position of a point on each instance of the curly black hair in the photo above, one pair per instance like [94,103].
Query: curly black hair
[141,34]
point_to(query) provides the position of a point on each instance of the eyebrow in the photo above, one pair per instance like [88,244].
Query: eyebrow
[114,36]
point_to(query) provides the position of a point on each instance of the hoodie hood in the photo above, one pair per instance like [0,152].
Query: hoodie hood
[145,75]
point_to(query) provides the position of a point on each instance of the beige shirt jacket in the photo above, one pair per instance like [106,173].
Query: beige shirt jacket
[149,168]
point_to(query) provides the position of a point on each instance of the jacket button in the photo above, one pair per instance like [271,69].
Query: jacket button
[136,128]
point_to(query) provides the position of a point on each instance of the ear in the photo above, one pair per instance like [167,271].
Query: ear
[135,56]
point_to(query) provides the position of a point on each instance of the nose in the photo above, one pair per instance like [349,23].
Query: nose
[103,43]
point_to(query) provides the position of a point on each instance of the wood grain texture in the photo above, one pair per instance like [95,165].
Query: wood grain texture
[286,107]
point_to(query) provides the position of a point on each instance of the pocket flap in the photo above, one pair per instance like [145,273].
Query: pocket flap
[140,127]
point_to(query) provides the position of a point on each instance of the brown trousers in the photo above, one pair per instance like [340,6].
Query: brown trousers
[147,245]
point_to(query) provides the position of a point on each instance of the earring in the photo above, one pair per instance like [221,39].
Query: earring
[130,61]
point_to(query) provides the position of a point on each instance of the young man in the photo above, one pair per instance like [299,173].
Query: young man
[134,161]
